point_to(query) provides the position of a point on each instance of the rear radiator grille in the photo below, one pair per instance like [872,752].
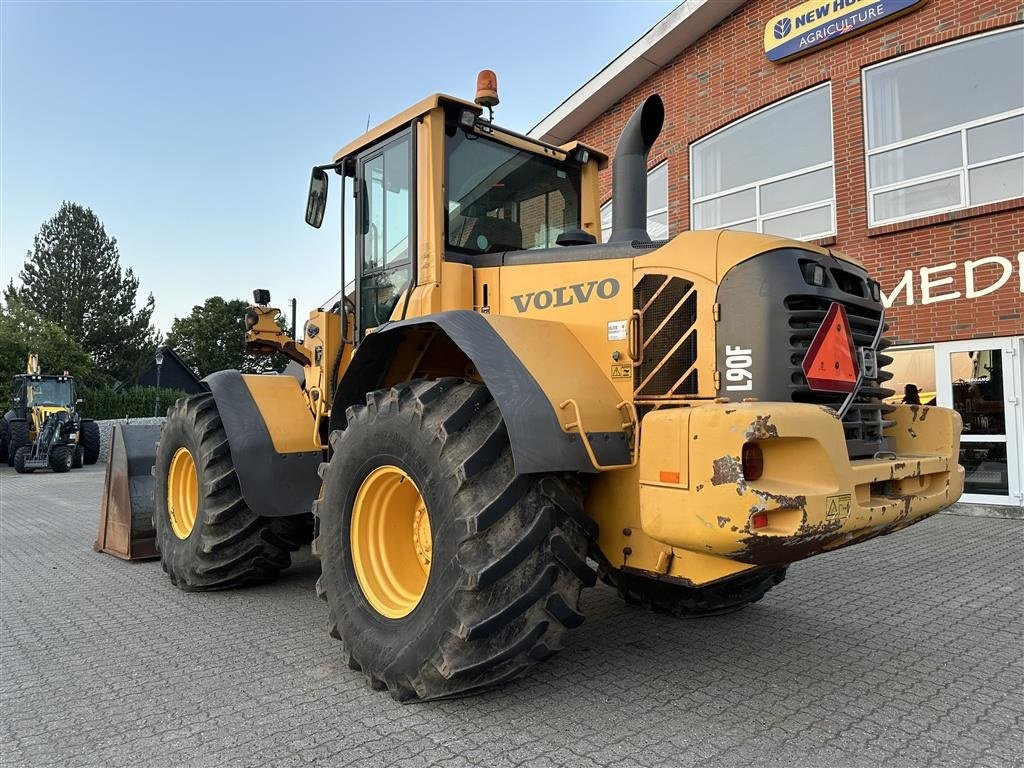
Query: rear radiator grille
[865,420]
[668,307]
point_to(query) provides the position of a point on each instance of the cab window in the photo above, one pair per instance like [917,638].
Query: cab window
[386,257]
[49,392]
[504,199]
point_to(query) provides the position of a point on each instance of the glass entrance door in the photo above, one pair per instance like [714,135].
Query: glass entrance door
[981,379]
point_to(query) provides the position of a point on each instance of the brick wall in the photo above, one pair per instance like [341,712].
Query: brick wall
[726,75]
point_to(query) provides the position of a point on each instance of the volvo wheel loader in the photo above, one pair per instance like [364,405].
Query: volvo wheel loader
[502,400]
[43,429]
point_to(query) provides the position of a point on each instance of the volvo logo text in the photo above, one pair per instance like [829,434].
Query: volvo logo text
[566,295]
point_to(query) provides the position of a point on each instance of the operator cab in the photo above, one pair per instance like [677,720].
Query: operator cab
[50,391]
[499,192]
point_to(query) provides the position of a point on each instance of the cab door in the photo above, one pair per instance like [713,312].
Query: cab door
[385,231]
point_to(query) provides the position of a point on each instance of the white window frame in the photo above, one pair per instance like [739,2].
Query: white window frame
[650,212]
[756,186]
[965,165]
[1012,348]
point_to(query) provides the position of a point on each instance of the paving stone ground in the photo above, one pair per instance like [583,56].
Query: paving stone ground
[904,651]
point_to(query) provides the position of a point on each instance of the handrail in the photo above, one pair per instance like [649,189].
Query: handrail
[631,422]
[318,411]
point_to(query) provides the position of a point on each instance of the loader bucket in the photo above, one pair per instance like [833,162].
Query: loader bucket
[126,519]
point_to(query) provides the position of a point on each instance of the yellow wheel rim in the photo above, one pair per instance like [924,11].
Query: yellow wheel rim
[182,493]
[391,541]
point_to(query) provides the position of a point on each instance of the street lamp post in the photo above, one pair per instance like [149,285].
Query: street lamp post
[159,364]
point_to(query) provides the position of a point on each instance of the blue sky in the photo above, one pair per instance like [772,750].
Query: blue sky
[190,128]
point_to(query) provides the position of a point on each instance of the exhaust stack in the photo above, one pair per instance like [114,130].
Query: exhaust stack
[629,172]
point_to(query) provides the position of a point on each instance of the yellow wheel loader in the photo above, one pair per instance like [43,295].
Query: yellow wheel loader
[501,401]
[43,429]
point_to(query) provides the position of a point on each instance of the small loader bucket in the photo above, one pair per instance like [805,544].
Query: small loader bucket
[126,519]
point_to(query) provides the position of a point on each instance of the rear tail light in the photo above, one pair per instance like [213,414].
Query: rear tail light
[753,462]
[759,520]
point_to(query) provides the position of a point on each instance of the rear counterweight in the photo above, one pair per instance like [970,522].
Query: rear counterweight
[770,310]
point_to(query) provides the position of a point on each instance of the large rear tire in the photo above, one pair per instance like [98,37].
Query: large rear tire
[17,437]
[505,560]
[207,536]
[688,602]
[90,437]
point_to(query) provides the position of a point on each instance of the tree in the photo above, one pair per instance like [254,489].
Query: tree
[212,338]
[23,331]
[73,277]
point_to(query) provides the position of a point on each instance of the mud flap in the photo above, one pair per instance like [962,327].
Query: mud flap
[126,517]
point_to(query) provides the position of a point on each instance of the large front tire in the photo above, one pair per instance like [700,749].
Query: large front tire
[20,457]
[507,553]
[207,536]
[62,458]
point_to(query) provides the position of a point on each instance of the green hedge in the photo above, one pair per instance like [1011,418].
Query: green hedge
[102,403]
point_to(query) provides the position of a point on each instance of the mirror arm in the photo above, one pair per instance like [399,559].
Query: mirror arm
[339,166]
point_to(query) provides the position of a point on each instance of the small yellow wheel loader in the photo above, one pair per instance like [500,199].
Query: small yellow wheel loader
[43,429]
[500,400]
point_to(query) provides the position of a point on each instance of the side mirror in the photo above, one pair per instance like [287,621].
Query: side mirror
[317,202]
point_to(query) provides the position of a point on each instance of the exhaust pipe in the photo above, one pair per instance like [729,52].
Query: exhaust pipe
[629,172]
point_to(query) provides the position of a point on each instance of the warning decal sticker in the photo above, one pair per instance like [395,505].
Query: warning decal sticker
[837,508]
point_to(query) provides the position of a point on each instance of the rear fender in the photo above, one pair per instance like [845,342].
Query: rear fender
[270,435]
[531,368]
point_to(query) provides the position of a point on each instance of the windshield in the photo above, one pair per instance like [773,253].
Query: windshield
[49,392]
[504,199]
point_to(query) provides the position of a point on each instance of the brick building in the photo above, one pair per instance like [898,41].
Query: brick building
[891,130]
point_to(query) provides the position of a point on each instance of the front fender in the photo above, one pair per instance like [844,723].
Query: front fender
[276,465]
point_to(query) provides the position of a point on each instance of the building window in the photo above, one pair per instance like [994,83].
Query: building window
[771,171]
[979,379]
[657,206]
[944,128]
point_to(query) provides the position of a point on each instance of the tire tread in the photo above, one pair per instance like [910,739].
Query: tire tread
[521,549]
[687,602]
[235,546]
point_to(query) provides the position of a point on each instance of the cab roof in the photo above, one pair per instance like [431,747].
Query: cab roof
[405,117]
[402,118]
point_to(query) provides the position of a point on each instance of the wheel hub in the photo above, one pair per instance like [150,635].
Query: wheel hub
[182,493]
[390,540]
[421,535]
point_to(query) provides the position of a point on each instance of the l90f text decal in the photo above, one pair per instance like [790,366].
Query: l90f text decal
[737,369]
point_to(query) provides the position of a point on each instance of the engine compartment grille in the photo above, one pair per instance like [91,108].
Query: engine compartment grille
[668,335]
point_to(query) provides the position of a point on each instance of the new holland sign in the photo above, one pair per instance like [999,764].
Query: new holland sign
[822,22]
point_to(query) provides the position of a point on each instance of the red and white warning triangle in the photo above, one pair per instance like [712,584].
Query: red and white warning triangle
[830,364]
